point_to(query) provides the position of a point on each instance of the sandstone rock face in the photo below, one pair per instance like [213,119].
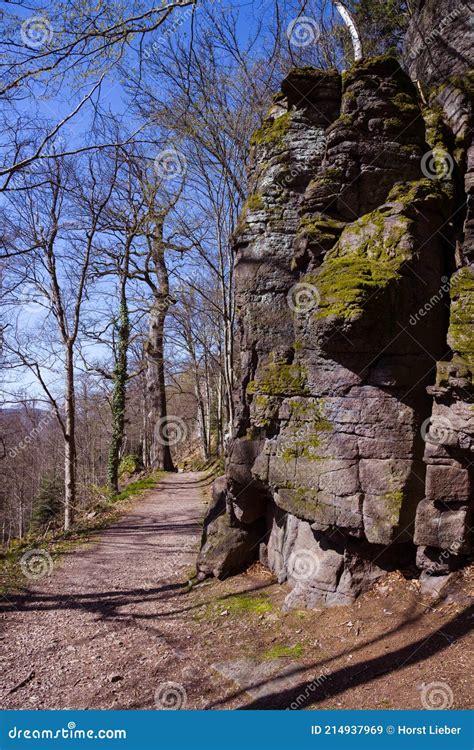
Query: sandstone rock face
[344,251]
[438,53]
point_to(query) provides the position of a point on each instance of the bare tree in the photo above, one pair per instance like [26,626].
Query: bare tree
[62,221]
[154,273]
[71,45]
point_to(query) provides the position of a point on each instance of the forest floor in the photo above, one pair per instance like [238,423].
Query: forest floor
[117,626]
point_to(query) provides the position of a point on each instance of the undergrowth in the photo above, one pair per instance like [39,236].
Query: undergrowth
[107,509]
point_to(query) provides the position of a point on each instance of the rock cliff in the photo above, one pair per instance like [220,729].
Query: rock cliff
[352,449]
[438,54]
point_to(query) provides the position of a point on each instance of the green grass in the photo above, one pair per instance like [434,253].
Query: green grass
[238,604]
[243,603]
[135,488]
[280,651]
[58,542]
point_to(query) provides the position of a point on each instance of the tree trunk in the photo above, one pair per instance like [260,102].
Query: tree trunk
[220,415]
[119,392]
[208,409]
[69,442]
[160,453]
[202,418]
[145,437]
[20,516]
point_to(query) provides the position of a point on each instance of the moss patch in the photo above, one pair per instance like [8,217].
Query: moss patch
[461,325]
[433,117]
[331,176]
[320,228]
[306,423]
[302,502]
[281,651]
[406,104]
[254,203]
[302,449]
[280,379]
[273,130]
[371,251]
[415,193]
[245,604]
[394,500]
[366,259]
[384,65]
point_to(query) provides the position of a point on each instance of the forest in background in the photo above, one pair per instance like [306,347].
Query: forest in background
[125,135]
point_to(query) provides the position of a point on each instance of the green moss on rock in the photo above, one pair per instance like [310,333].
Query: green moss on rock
[273,130]
[406,104]
[280,379]
[413,194]
[371,251]
[384,65]
[254,203]
[302,502]
[343,121]
[366,259]
[433,117]
[302,449]
[393,501]
[394,122]
[311,413]
[306,424]
[320,228]
[330,176]
[461,325]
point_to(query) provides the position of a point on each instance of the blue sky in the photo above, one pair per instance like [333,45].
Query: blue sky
[114,98]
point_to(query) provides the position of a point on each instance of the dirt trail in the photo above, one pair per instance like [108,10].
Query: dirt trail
[94,633]
[116,623]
